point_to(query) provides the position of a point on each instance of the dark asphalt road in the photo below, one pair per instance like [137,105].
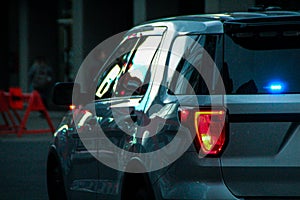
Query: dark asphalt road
[23,167]
[23,164]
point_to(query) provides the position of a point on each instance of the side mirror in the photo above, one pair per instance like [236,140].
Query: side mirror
[62,93]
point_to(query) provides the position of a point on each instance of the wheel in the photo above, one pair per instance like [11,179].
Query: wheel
[55,183]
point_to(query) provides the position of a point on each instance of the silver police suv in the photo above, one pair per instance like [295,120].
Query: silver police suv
[190,107]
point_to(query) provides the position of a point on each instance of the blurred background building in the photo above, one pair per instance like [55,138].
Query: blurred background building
[65,31]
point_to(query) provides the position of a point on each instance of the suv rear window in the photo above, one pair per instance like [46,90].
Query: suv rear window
[263,61]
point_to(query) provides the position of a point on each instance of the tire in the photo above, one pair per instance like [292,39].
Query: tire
[143,193]
[55,183]
[137,187]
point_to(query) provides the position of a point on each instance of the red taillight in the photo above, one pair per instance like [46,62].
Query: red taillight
[210,128]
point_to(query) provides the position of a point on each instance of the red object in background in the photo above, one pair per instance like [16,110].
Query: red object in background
[16,98]
[9,104]
[35,103]
[9,125]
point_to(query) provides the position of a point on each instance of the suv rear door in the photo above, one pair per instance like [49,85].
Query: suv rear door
[262,157]
[120,94]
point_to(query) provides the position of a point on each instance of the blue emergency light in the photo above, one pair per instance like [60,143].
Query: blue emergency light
[276,87]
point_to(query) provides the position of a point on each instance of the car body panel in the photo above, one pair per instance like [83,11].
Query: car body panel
[262,157]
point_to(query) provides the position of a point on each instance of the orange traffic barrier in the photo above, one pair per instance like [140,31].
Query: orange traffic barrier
[9,121]
[14,100]
[35,103]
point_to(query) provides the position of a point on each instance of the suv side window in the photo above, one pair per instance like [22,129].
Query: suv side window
[135,75]
[186,74]
[109,77]
[129,74]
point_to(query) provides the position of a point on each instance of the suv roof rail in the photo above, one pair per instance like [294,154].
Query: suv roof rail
[273,8]
[258,8]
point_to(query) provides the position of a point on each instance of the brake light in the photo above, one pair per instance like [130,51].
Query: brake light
[210,130]
[209,126]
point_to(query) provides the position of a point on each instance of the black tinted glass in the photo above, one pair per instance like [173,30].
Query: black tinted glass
[195,57]
[263,62]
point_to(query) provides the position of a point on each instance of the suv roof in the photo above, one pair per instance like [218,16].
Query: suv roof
[213,23]
[232,16]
